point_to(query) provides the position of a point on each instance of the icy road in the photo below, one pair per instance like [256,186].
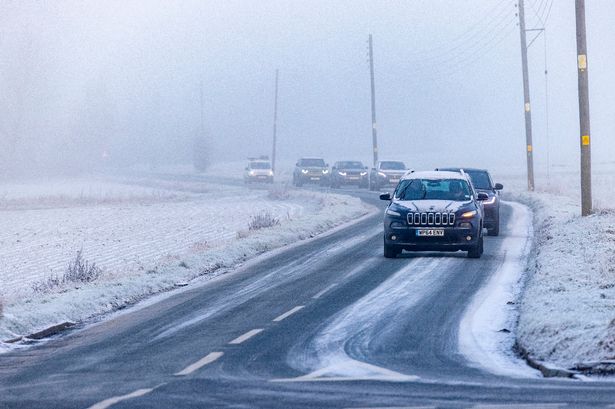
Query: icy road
[324,323]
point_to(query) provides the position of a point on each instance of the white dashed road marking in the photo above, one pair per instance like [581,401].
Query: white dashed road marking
[200,363]
[243,338]
[117,399]
[288,313]
[320,294]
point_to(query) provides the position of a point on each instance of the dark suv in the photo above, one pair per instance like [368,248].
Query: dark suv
[481,179]
[349,173]
[386,173]
[311,170]
[434,211]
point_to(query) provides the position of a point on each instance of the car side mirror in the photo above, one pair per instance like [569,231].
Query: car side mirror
[326,165]
[483,196]
[247,168]
[499,186]
[297,164]
[333,168]
[385,196]
[365,167]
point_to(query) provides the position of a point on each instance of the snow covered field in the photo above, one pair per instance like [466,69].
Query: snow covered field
[567,311]
[147,234]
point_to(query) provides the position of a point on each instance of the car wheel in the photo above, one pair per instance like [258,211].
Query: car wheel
[495,231]
[477,250]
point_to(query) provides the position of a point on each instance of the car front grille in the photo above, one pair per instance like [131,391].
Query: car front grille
[431,219]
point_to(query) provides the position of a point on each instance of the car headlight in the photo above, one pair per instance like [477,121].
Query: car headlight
[392,212]
[304,171]
[489,201]
[325,171]
[469,214]
[382,174]
[363,173]
[270,173]
[342,173]
[251,173]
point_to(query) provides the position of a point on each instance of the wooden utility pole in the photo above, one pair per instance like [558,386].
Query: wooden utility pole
[526,98]
[373,86]
[586,171]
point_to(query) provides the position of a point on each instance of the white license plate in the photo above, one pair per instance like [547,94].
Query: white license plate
[430,232]
[314,178]
[393,180]
[353,178]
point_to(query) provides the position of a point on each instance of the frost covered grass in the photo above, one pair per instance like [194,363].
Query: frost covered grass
[144,249]
[78,271]
[263,220]
[567,311]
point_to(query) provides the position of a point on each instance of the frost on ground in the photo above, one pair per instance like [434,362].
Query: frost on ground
[567,312]
[146,234]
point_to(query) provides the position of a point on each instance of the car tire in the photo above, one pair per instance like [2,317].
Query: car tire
[477,250]
[495,231]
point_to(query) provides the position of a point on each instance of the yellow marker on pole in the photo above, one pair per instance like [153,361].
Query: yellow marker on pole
[529,148]
[582,59]
[585,140]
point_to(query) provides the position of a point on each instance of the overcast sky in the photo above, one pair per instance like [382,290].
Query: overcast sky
[124,77]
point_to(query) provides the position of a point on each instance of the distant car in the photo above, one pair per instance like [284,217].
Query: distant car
[481,179]
[311,170]
[386,173]
[258,171]
[434,211]
[349,173]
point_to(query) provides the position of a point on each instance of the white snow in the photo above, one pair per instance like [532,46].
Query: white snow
[148,235]
[567,312]
[481,339]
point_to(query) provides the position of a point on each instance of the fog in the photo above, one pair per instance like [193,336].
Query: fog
[86,85]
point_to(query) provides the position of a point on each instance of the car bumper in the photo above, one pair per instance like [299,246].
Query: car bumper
[259,178]
[492,216]
[351,180]
[313,178]
[454,239]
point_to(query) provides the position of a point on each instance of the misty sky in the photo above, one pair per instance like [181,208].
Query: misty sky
[124,77]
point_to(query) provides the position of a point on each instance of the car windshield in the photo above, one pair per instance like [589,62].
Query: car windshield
[350,165]
[392,166]
[480,179]
[260,165]
[312,162]
[433,189]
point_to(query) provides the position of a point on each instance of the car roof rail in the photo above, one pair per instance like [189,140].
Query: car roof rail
[409,171]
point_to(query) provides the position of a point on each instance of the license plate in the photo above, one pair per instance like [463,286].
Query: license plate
[430,232]
[314,178]
[353,178]
[393,180]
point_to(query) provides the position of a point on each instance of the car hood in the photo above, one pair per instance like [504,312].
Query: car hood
[313,167]
[490,192]
[432,205]
[393,172]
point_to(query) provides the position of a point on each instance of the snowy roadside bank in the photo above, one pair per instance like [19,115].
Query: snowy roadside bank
[485,337]
[145,241]
[567,310]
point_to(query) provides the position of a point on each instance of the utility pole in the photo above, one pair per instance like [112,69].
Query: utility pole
[275,121]
[374,128]
[526,98]
[586,175]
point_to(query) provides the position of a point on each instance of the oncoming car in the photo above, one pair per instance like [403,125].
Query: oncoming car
[434,211]
[349,173]
[311,170]
[386,173]
[482,182]
[258,171]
